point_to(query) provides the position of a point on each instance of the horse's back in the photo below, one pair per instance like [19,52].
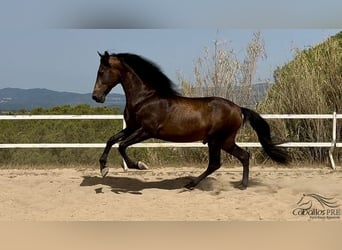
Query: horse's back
[191,119]
[214,107]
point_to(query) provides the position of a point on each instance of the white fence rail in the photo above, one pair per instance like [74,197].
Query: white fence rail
[332,145]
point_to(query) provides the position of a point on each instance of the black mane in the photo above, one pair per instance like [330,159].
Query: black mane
[150,74]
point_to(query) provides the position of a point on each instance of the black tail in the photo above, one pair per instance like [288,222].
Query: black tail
[262,129]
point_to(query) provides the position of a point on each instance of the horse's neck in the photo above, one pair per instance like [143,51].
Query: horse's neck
[135,90]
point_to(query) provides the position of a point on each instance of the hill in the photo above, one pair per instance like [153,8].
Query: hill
[13,99]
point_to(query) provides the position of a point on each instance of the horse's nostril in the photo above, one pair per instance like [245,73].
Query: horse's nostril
[100,99]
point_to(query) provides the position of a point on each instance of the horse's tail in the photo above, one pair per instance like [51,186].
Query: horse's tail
[262,129]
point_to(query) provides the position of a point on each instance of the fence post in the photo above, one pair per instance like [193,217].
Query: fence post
[123,161]
[333,143]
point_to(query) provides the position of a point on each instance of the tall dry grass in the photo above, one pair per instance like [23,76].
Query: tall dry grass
[220,72]
[309,84]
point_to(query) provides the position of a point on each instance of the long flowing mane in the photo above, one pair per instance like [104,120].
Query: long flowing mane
[150,74]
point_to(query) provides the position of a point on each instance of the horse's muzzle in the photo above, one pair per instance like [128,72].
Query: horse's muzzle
[99,99]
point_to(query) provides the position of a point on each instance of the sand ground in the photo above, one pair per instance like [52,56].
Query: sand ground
[80,194]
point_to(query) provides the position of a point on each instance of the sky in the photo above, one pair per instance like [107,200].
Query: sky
[54,44]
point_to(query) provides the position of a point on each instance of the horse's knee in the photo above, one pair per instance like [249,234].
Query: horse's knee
[121,148]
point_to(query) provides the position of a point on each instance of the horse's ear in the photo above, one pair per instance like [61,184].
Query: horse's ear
[105,55]
[104,58]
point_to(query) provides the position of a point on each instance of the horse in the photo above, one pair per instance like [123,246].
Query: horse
[154,109]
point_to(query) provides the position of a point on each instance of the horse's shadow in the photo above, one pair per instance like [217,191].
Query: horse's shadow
[136,186]
[130,185]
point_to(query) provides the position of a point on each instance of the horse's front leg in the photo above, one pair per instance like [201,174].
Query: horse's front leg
[112,140]
[137,136]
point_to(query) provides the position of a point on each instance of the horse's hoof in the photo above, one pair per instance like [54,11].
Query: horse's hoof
[142,166]
[190,186]
[124,166]
[241,186]
[104,172]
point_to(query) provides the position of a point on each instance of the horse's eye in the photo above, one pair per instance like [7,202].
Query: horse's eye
[100,72]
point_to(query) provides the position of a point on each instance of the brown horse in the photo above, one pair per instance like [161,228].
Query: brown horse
[154,109]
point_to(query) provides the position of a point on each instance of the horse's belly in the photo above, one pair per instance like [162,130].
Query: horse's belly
[183,134]
[187,138]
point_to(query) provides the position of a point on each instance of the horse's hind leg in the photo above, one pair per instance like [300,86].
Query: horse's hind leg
[243,157]
[214,164]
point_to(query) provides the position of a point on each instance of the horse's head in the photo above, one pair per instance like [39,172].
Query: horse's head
[108,76]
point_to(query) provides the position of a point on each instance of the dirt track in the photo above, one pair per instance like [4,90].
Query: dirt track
[158,194]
